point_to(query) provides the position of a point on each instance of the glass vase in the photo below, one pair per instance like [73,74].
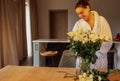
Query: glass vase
[84,67]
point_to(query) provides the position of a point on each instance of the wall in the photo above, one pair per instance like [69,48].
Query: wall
[110,10]
[107,8]
[43,17]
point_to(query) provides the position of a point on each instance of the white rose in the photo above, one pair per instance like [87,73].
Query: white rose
[71,34]
[99,78]
[84,75]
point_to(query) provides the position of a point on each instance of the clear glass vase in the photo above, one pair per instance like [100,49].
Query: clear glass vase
[84,67]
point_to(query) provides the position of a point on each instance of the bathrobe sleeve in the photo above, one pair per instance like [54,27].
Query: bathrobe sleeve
[77,25]
[106,31]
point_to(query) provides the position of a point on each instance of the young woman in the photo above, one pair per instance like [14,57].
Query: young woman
[91,20]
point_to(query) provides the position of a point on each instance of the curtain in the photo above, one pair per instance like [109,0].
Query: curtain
[34,20]
[21,29]
[12,32]
[0,37]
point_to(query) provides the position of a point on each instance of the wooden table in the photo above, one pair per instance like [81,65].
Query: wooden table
[29,73]
[36,48]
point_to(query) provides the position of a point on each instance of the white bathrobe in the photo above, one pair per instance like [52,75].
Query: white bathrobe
[101,27]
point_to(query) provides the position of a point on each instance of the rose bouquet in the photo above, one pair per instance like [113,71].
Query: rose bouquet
[84,44]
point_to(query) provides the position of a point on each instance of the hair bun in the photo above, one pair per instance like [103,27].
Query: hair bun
[85,0]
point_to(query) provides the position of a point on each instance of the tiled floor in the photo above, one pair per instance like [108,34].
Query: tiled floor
[27,62]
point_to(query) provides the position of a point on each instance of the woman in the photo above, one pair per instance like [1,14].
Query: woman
[91,20]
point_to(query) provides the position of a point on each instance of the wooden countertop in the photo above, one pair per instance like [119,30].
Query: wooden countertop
[52,41]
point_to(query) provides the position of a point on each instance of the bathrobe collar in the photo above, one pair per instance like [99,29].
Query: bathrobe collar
[95,22]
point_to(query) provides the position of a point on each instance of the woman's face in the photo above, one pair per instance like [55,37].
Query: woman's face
[83,12]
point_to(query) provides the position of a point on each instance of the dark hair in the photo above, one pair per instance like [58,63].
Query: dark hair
[83,3]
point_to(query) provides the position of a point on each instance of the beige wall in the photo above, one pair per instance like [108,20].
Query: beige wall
[108,8]
[43,18]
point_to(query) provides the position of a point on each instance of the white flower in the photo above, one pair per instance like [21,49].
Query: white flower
[91,76]
[84,77]
[86,39]
[80,35]
[99,78]
[71,34]
[106,38]
[102,37]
